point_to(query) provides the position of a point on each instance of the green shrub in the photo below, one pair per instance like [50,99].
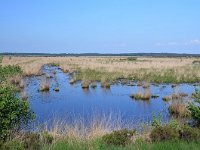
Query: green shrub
[156,121]
[189,134]
[47,138]
[11,145]
[163,133]
[195,108]
[119,138]
[31,141]
[9,71]
[14,112]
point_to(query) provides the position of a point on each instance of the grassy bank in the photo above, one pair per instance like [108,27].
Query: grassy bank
[159,70]
[176,75]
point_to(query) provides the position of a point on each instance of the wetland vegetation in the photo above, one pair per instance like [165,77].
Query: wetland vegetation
[163,93]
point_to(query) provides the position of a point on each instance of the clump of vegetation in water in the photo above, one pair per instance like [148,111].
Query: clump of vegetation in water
[44,86]
[146,85]
[21,84]
[93,84]
[166,98]
[141,96]
[85,84]
[105,83]
[72,81]
[56,89]
[154,96]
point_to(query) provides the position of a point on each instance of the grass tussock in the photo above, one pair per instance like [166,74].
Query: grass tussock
[93,84]
[57,89]
[72,81]
[44,85]
[141,96]
[24,96]
[166,98]
[105,84]
[21,84]
[179,110]
[85,84]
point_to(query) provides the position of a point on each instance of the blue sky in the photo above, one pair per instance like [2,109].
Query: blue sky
[102,26]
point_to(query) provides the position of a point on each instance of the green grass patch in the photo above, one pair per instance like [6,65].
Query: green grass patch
[97,75]
[9,71]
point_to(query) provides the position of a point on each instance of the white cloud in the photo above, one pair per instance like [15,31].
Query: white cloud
[188,43]
[193,42]
[167,44]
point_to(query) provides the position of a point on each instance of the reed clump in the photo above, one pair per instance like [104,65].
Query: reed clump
[93,85]
[176,96]
[167,98]
[85,84]
[72,81]
[24,95]
[105,83]
[21,84]
[146,85]
[44,85]
[141,96]
[182,94]
[179,110]
[56,89]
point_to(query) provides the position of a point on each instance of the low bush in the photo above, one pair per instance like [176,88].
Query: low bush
[195,108]
[119,138]
[164,133]
[14,112]
[9,71]
[47,138]
[32,141]
[189,134]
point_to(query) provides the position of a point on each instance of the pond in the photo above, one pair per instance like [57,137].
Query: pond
[72,102]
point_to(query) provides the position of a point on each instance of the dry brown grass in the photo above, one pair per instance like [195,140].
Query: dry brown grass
[78,130]
[21,83]
[142,95]
[142,68]
[85,84]
[24,95]
[44,85]
[178,110]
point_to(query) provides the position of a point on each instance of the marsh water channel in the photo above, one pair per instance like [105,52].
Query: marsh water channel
[72,102]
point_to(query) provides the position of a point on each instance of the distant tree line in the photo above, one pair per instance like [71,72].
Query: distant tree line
[100,54]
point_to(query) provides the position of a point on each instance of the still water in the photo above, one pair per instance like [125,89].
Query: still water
[72,102]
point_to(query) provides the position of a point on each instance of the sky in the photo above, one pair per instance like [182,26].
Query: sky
[100,26]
